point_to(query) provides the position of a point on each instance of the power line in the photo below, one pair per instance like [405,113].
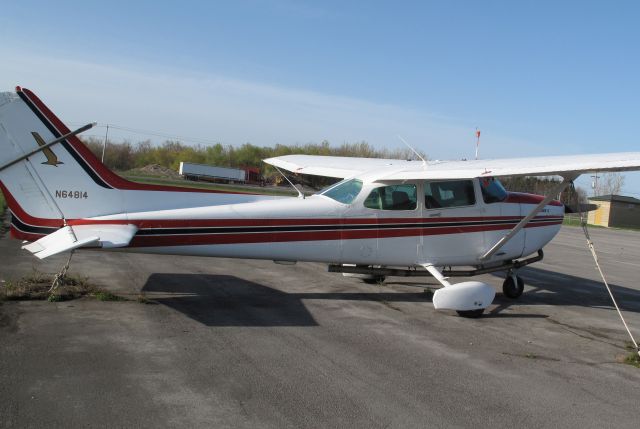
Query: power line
[158,134]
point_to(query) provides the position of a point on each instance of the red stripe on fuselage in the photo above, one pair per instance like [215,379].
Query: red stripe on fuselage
[522,198]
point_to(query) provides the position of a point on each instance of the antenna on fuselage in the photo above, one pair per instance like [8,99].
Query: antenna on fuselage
[300,194]
[424,163]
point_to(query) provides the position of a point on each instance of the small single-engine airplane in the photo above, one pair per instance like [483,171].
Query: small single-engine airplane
[387,217]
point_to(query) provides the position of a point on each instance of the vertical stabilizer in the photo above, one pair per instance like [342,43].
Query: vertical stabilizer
[55,183]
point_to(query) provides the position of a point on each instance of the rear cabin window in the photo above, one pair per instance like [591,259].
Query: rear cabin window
[344,192]
[492,190]
[393,197]
[450,193]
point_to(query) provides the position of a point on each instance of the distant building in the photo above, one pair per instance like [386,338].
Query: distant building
[615,211]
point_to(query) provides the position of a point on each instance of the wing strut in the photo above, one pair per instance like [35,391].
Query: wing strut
[300,194]
[566,181]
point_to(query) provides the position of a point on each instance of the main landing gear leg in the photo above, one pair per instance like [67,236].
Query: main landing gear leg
[513,285]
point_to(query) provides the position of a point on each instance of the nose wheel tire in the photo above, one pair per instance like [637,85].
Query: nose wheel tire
[471,314]
[513,287]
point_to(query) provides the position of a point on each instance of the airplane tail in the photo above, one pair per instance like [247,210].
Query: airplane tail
[64,181]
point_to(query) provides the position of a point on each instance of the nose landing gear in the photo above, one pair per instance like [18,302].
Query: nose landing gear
[513,285]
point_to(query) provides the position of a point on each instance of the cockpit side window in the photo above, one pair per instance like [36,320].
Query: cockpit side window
[492,190]
[393,197]
[450,193]
[344,192]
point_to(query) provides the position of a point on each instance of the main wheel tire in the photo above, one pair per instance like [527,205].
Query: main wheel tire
[513,289]
[470,314]
[375,280]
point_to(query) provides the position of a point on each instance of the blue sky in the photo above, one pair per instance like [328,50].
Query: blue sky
[537,77]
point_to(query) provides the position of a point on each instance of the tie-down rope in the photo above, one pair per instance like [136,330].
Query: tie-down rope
[592,248]
[58,279]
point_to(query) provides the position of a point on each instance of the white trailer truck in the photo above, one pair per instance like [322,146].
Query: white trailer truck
[192,171]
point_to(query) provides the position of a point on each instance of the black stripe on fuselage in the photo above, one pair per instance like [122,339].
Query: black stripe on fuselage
[79,159]
[44,230]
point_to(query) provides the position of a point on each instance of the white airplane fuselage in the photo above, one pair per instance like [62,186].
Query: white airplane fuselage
[320,229]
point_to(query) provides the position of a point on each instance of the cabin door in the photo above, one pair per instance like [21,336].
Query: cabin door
[452,232]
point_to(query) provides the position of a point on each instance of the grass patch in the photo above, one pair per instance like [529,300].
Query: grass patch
[632,358]
[575,221]
[54,297]
[104,295]
[571,221]
[36,287]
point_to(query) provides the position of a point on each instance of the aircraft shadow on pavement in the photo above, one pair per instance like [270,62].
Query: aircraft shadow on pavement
[552,288]
[221,300]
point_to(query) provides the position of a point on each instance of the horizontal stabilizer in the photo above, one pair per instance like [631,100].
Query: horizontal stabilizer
[73,237]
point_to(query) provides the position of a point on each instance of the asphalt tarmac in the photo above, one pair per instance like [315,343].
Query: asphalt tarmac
[242,343]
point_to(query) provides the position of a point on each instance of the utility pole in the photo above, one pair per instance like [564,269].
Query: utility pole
[594,184]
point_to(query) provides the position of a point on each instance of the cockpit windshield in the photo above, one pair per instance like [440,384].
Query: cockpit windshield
[492,190]
[344,192]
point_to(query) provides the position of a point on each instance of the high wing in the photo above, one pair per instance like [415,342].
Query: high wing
[393,169]
[333,166]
